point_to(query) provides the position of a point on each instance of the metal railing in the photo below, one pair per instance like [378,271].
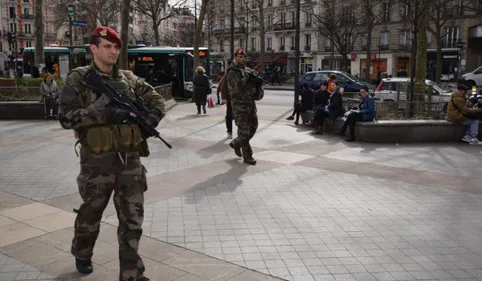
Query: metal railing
[403,110]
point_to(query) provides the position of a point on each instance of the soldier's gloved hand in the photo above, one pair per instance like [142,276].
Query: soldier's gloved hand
[116,116]
[154,120]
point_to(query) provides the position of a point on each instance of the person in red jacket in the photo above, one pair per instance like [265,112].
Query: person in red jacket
[220,76]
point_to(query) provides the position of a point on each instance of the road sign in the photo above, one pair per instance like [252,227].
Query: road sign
[70,10]
[139,42]
[79,23]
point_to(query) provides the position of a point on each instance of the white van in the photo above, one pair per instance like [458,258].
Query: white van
[473,78]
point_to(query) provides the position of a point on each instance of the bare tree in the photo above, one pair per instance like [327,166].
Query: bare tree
[247,19]
[417,16]
[371,16]
[125,19]
[104,11]
[210,23]
[157,11]
[262,33]
[473,6]
[437,21]
[197,36]
[338,23]
[39,33]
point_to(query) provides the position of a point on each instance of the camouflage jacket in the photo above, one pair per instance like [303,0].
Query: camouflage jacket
[75,99]
[241,89]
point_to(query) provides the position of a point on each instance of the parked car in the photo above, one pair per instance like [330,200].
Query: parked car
[396,89]
[473,78]
[349,82]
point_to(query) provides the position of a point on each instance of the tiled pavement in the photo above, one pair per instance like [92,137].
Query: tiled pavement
[312,209]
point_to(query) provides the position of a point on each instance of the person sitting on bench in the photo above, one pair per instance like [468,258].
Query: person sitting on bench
[49,91]
[365,112]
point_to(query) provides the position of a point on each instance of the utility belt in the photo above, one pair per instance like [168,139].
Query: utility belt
[114,138]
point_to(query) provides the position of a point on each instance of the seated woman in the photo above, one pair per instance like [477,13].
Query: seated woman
[366,112]
[459,112]
[320,103]
[334,109]
[49,91]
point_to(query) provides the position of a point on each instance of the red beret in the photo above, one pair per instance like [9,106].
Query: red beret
[108,34]
[240,51]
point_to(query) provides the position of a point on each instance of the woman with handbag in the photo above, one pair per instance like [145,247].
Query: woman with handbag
[202,88]
[458,112]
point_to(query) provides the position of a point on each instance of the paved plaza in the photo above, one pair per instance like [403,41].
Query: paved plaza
[313,208]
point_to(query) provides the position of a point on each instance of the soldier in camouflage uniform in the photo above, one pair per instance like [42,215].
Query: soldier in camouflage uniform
[244,89]
[109,156]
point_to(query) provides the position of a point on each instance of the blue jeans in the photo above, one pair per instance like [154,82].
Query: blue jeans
[473,129]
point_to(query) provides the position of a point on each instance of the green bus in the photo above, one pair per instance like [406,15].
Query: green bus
[164,65]
[52,56]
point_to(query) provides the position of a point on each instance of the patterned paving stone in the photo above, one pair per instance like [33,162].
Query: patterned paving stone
[15,270]
[301,223]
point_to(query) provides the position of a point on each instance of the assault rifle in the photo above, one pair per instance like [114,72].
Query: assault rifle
[109,96]
[257,80]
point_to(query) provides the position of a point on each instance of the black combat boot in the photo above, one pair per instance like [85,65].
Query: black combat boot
[84,266]
[237,149]
[250,161]
[144,279]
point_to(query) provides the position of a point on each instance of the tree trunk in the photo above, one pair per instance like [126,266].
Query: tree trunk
[39,35]
[197,36]
[231,47]
[438,69]
[369,53]
[421,71]
[155,26]
[261,35]
[123,60]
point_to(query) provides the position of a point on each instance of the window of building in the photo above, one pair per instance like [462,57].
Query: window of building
[281,43]
[11,12]
[308,41]
[253,44]
[28,29]
[385,38]
[452,35]
[270,21]
[28,44]
[386,12]
[404,12]
[269,43]
[13,27]
[270,3]
[406,38]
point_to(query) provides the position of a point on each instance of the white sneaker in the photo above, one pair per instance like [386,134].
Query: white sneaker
[466,138]
[475,141]
[230,136]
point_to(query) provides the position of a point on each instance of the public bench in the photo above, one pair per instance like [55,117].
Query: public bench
[397,131]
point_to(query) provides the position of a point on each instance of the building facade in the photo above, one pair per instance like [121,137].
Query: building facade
[390,43]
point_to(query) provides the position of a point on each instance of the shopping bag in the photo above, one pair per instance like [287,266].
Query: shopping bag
[210,101]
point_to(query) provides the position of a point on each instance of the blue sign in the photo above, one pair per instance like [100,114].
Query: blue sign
[140,42]
[79,23]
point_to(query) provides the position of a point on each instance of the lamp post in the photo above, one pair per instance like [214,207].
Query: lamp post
[297,52]
[70,13]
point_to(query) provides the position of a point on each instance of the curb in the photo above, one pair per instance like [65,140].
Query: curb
[271,88]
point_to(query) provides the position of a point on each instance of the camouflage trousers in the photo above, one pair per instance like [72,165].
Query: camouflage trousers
[100,176]
[247,125]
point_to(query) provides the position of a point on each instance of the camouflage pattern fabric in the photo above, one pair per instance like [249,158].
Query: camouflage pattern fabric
[247,126]
[243,92]
[100,176]
[105,173]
